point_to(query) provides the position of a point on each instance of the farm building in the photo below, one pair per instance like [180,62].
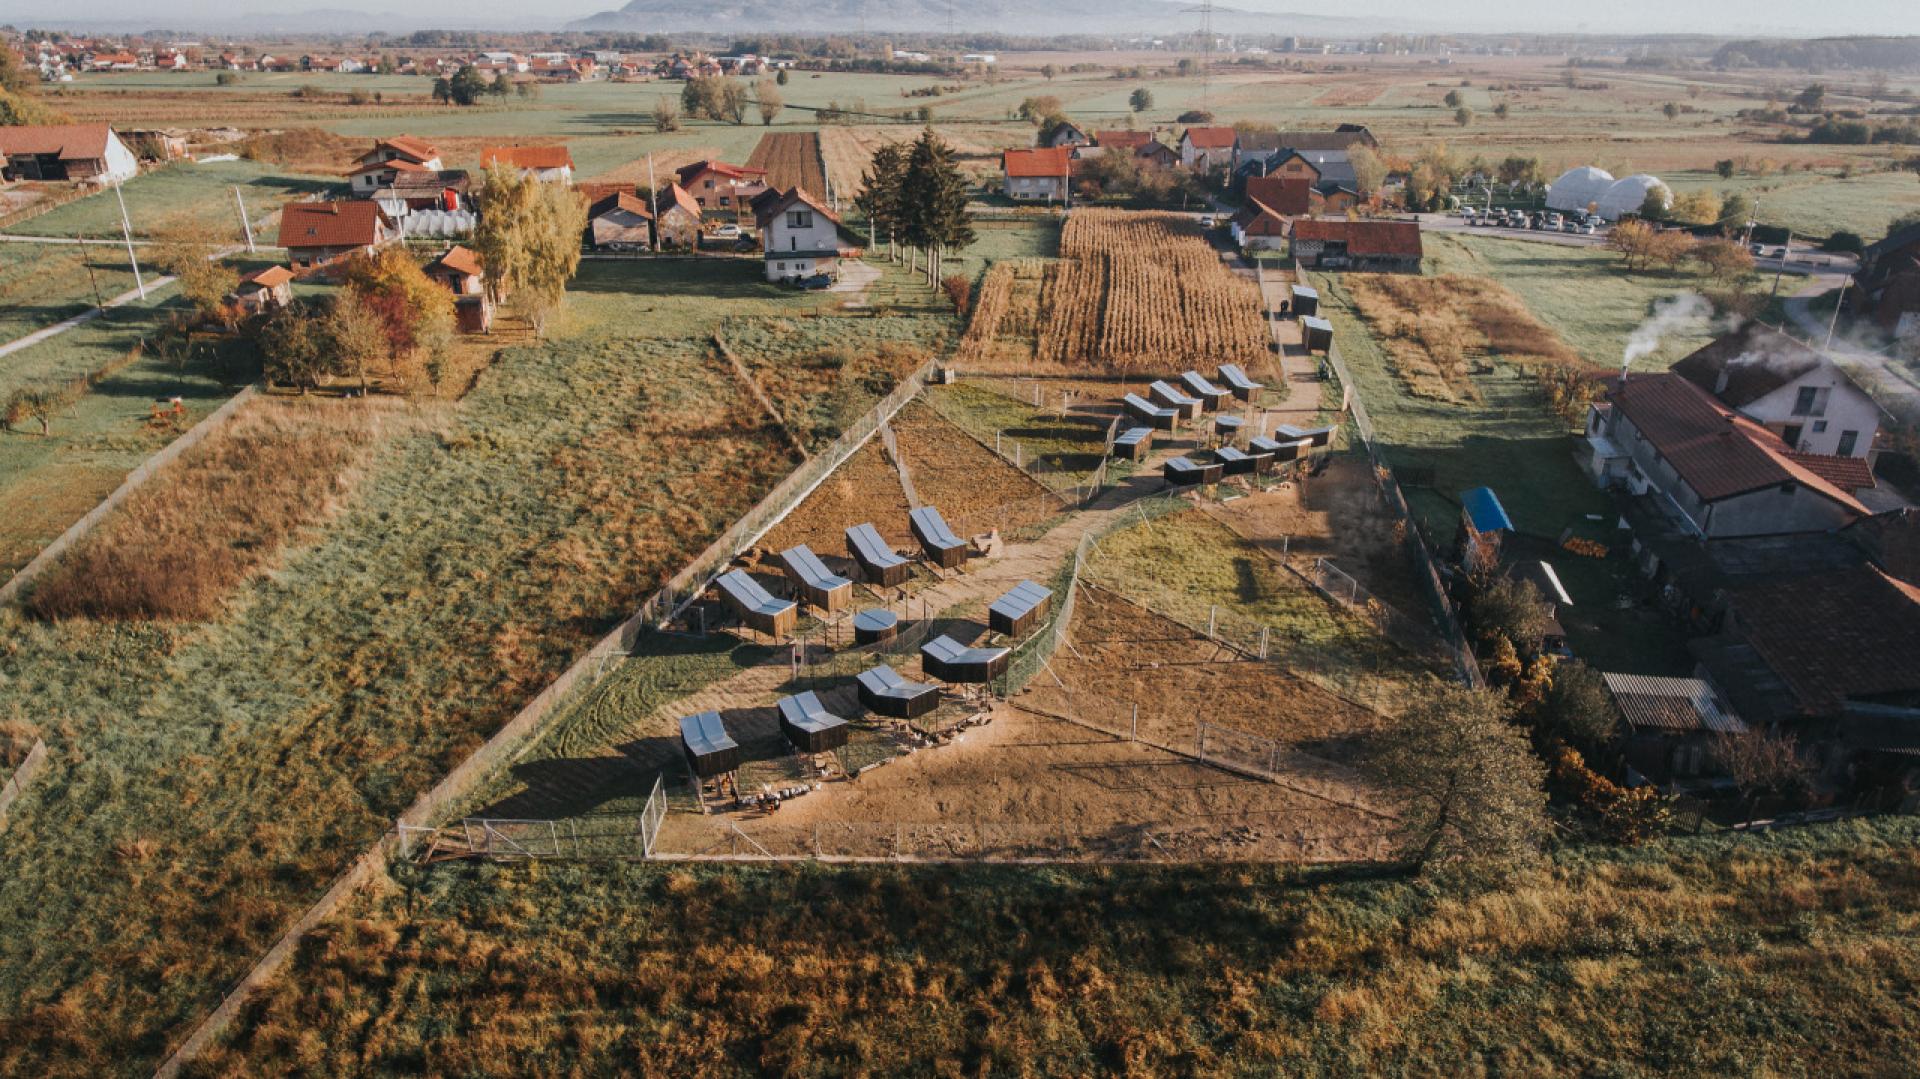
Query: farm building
[1037,175]
[678,224]
[717,185]
[1289,196]
[319,232]
[1671,725]
[800,236]
[75,152]
[1712,472]
[620,222]
[1579,189]
[1207,147]
[1259,227]
[548,164]
[1368,246]
[265,290]
[1792,390]
[1140,144]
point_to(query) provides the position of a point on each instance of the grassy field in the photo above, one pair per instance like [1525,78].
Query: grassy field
[1816,204]
[1783,953]
[196,195]
[208,778]
[44,284]
[1506,436]
[1586,295]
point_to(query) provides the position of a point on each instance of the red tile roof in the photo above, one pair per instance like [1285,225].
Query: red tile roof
[72,142]
[1718,452]
[1051,161]
[271,277]
[675,195]
[619,200]
[415,148]
[766,210]
[527,157]
[398,164]
[1846,473]
[460,260]
[1851,633]
[1126,140]
[1212,138]
[1288,195]
[333,224]
[690,173]
[1363,237]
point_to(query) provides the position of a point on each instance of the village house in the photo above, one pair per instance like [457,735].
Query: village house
[316,233]
[1788,388]
[1333,183]
[1066,133]
[1888,283]
[406,148]
[679,222]
[1709,471]
[1259,227]
[1256,145]
[1363,246]
[1289,196]
[410,191]
[800,236]
[719,186]
[620,222]
[1037,175]
[548,164]
[265,290]
[113,61]
[459,270]
[89,153]
[1207,148]
[1140,144]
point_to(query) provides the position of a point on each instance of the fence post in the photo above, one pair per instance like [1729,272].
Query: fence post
[1212,612]
[1263,642]
[1133,730]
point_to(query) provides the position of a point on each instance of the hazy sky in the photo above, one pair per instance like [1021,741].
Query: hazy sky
[1796,17]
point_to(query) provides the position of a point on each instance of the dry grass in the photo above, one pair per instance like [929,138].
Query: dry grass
[1440,330]
[1137,289]
[1003,332]
[180,545]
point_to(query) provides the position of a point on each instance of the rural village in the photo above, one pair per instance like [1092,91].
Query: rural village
[537,553]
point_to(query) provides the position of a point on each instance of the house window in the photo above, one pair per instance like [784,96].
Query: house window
[709,185]
[800,219]
[781,265]
[1848,439]
[1810,401]
[1819,427]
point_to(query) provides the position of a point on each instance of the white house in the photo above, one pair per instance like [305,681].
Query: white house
[1788,388]
[800,236]
[1040,175]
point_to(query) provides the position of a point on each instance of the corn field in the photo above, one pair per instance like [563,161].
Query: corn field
[1144,288]
[1002,327]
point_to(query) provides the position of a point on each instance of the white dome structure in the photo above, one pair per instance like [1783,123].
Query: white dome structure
[1628,195]
[1577,189]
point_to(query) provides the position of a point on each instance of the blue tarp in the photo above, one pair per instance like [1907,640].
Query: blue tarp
[1485,511]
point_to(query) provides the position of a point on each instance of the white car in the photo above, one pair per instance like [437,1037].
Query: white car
[726,232]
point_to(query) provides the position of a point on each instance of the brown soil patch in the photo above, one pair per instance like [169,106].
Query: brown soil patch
[665,163]
[1124,655]
[792,159]
[974,490]
[1439,330]
[865,488]
[1336,515]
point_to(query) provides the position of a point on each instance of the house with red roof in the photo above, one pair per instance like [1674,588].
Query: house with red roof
[265,290]
[76,152]
[1040,175]
[1366,246]
[620,221]
[799,235]
[459,269]
[1791,389]
[316,233]
[548,164]
[1140,144]
[1289,196]
[678,221]
[1712,472]
[1259,227]
[1208,147]
[719,186]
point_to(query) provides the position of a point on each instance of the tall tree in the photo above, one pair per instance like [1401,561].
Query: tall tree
[529,240]
[879,197]
[766,99]
[933,197]
[1469,785]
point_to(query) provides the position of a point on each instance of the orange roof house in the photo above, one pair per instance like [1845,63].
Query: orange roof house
[319,232]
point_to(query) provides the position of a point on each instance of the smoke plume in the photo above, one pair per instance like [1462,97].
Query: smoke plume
[1669,315]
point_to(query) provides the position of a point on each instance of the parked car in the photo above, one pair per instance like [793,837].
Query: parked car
[726,232]
[816,283]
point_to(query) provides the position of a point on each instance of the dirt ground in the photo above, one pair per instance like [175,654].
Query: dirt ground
[973,489]
[1336,515]
[864,489]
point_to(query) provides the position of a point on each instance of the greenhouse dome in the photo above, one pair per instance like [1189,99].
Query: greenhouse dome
[1577,189]
[1628,195]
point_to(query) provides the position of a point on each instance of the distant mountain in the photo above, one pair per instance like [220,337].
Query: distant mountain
[1164,17]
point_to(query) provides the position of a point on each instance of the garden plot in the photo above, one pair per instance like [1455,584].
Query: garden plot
[973,488]
[866,488]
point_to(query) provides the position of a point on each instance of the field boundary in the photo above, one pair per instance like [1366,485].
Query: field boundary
[16,783]
[193,436]
[514,736]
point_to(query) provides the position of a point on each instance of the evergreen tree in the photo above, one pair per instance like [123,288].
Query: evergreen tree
[879,198]
[933,197]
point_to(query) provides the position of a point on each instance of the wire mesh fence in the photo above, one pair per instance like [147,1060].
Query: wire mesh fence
[16,783]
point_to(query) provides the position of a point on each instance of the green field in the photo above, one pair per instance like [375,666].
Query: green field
[207,780]
[1585,294]
[1786,953]
[41,284]
[1817,204]
[200,196]
[1510,440]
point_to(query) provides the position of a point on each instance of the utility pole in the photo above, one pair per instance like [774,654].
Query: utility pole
[87,261]
[653,198]
[1205,11]
[1835,322]
[126,233]
[245,225]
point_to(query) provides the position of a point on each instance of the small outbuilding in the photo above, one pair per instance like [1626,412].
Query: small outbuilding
[710,750]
